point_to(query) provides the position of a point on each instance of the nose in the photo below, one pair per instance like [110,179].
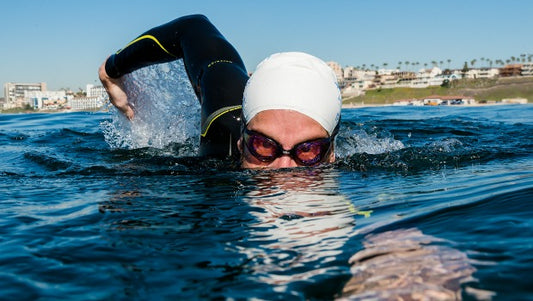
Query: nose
[284,161]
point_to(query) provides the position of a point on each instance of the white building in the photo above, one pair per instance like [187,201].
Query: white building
[436,100]
[427,77]
[350,73]
[14,93]
[488,72]
[386,80]
[387,71]
[85,103]
[354,89]
[482,73]
[336,67]
[46,100]
[96,91]
[522,101]
[527,69]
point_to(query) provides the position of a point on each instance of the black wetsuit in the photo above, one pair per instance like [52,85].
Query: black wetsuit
[215,71]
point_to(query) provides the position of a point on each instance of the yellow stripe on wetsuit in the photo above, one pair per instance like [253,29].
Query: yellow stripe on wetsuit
[207,124]
[151,37]
[215,115]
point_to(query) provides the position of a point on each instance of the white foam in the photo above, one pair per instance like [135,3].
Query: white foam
[166,110]
[356,142]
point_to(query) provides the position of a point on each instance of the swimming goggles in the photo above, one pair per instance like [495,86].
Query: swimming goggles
[266,149]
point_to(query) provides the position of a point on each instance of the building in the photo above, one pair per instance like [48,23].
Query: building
[405,78]
[14,93]
[85,103]
[385,80]
[511,70]
[46,100]
[522,101]
[527,69]
[488,72]
[350,74]
[438,100]
[427,77]
[96,91]
[353,89]
[482,73]
[95,99]
[336,67]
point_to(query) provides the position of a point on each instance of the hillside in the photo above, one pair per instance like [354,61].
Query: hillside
[480,89]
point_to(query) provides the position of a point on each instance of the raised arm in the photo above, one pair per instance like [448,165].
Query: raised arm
[116,92]
[192,38]
[215,70]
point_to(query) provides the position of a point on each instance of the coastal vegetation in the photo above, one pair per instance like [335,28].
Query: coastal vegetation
[483,90]
[25,109]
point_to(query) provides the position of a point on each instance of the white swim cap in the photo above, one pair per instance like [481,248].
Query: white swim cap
[294,81]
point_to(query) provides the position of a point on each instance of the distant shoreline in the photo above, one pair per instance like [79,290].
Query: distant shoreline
[356,106]
[483,91]
[344,106]
[24,111]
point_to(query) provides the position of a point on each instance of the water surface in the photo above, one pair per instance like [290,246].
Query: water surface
[92,207]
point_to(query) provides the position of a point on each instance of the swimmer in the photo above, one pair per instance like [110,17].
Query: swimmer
[286,114]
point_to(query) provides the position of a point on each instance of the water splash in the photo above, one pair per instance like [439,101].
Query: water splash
[167,111]
[350,142]
[447,145]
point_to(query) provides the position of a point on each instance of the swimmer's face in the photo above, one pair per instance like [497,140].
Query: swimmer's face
[288,128]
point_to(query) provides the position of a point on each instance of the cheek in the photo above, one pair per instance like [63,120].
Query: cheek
[239,145]
[331,158]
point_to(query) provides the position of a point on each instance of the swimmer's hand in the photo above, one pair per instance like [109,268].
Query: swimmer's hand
[116,92]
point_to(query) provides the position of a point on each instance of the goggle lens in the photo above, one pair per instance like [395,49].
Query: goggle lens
[311,151]
[263,147]
[267,149]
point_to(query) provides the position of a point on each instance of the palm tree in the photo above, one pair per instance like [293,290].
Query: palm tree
[449,61]
[472,63]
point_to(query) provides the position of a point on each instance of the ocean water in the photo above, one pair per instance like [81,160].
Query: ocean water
[431,202]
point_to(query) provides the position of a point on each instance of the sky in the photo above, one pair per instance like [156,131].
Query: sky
[63,42]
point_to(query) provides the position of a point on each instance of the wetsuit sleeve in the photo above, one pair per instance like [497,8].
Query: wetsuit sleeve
[192,38]
[214,68]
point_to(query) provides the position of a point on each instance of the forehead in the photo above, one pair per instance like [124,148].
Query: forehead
[288,127]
